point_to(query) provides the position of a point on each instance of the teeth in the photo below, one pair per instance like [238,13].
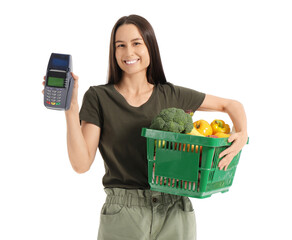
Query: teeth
[131,62]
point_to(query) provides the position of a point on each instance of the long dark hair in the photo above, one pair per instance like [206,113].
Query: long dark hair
[155,73]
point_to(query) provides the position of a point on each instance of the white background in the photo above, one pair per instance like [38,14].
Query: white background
[233,49]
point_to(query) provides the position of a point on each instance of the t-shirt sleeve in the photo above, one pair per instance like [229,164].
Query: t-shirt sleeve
[90,110]
[189,99]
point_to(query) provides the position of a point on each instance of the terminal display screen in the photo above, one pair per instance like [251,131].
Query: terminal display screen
[55,82]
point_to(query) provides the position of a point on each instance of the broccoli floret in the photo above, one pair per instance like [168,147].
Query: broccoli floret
[173,120]
[158,123]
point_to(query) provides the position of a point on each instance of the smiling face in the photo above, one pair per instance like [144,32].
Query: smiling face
[131,52]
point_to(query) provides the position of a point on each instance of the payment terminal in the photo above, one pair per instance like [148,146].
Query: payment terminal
[59,82]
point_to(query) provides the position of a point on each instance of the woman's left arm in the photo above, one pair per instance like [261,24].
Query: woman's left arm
[236,112]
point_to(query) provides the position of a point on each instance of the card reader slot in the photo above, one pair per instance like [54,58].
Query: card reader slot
[56,70]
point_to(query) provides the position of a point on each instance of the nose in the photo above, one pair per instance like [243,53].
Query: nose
[130,51]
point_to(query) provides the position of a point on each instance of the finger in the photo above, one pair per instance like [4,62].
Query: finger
[232,137]
[44,77]
[224,163]
[226,152]
[74,76]
[43,85]
[221,164]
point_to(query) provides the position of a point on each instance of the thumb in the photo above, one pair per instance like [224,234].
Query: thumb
[232,137]
[76,79]
[74,76]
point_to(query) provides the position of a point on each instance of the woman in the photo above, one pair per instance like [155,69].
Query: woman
[112,116]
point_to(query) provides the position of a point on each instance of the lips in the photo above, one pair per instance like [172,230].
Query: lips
[130,62]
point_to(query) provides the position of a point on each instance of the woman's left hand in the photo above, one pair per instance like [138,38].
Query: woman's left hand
[238,140]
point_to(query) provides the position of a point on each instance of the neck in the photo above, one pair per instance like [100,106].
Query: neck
[134,84]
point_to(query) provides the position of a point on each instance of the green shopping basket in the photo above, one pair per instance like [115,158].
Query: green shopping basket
[187,165]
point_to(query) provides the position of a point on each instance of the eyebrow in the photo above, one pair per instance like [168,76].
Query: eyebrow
[135,39]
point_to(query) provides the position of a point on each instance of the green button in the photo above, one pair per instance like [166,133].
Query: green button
[58,103]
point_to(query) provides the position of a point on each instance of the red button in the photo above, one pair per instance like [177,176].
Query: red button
[48,102]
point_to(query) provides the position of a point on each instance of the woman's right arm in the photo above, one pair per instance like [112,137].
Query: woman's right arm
[82,141]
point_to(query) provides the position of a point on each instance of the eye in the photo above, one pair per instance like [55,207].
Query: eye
[120,45]
[137,43]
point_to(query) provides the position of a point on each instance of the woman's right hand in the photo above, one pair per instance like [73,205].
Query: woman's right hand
[74,99]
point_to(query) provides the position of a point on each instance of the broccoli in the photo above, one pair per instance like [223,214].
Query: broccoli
[173,120]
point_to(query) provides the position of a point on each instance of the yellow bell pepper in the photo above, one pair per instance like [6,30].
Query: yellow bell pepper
[222,135]
[219,126]
[203,127]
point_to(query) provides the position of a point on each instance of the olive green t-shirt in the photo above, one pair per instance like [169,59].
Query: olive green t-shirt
[121,145]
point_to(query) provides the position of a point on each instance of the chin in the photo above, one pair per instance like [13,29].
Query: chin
[134,71]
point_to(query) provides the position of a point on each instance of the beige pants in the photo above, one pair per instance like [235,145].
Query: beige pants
[134,214]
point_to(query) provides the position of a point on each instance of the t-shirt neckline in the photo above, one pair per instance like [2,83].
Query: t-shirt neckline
[126,102]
